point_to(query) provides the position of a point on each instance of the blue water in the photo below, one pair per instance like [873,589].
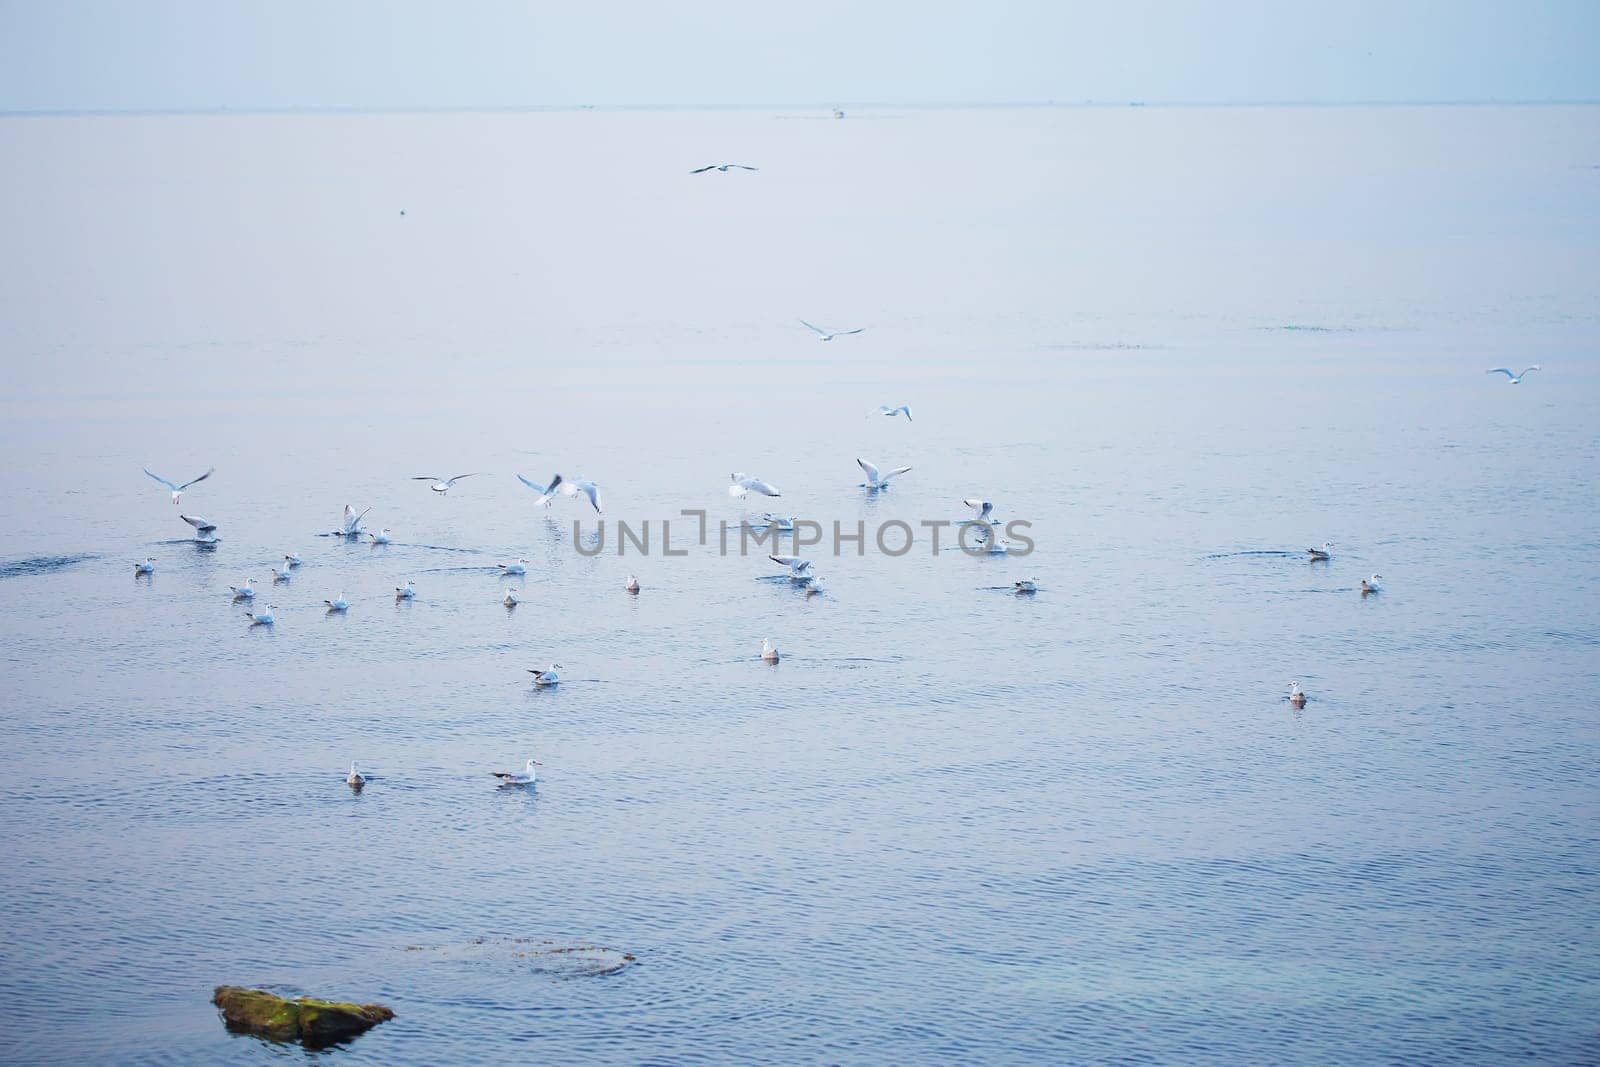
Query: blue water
[953,823]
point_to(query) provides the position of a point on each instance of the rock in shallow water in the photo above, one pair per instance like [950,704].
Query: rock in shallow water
[310,1021]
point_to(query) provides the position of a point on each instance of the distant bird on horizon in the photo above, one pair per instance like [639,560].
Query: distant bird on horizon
[745,484]
[204,529]
[723,167]
[828,335]
[442,485]
[526,776]
[1516,379]
[875,479]
[177,490]
[885,409]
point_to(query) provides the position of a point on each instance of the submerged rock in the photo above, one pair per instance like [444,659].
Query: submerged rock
[312,1022]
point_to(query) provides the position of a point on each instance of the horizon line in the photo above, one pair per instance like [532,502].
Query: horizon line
[403,109]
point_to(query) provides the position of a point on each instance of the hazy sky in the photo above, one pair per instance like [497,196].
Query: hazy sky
[64,54]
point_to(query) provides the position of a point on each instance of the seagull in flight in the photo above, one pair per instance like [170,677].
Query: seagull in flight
[177,490]
[745,484]
[580,484]
[526,776]
[885,409]
[204,529]
[982,511]
[442,485]
[350,525]
[723,167]
[875,480]
[828,335]
[546,492]
[799,569]
[1516,379]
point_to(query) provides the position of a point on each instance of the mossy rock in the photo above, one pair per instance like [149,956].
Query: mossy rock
[308,1020]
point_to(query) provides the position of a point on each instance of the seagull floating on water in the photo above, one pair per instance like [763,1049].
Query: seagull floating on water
[147,567]
[745,484]
[381,537]
[177,490]
[1297,696]
[1321,555]
[404,592]
[243,592]
[508,569]
[525,776]
[828,335]
[769,651]
[799,569]
[548,676]
[1516,379]
[442,485]
[875,480]
[354,779]
[338,603]
[350,524]
[723,167]
[291,559]
[632,584]
[1026,585]
[510,599]
[262,618]
[781,522]
[1371,585]
[546,492]
[281,574]
[204,529]
[885,409]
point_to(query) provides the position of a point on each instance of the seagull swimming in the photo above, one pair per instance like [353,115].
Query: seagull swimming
[1321,555]
[1026,585]
[546,492]
[354,779]
[350,525]
[245,591]
[404,592]
[381,537]
[292,559]
[509,569]
[147,567]
[510,599]
[885,409]
[338,603]
[723,167]
[525,776]
[1516,379]
[828,335]
[548,676]
[632,585]
[745,484]
[1371,585]
[769,651]
[1297,696]
[876,480]
[204,529]
[799,569]
[782,522]
[177,490]
[261,618]
[442,485]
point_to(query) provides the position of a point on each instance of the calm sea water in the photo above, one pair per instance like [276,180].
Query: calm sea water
[953,824]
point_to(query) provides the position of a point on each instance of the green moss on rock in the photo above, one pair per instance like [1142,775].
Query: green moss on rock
[308,1020]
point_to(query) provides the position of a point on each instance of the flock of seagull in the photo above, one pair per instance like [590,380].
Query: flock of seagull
[741,485]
